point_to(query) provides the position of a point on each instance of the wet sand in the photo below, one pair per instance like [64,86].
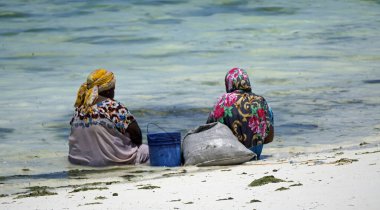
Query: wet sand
[342,177]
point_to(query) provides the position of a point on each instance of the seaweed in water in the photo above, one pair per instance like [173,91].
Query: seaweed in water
[265,180]
[36,191]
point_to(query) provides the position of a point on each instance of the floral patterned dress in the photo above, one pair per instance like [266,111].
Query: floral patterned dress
[248,115]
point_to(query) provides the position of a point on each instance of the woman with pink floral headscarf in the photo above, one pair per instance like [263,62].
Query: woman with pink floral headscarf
[248,115]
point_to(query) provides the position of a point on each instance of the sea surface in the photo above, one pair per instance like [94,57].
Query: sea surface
[316,62]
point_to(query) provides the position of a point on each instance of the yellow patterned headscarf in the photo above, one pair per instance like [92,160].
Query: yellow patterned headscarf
[98,81]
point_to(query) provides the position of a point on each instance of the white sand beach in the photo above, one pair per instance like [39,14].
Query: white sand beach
[340,177]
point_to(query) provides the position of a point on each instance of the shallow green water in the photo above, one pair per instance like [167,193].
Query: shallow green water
[317,63]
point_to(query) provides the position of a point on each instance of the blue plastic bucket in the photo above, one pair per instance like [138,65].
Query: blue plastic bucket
[165,149]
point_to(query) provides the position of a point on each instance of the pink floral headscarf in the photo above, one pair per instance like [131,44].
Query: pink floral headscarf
[237,79]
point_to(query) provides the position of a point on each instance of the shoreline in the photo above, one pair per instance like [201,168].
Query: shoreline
[342,177]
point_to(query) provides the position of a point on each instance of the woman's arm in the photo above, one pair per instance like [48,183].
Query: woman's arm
[135,133]
[270,136]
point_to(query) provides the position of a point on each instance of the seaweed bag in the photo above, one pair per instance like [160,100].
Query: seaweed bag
[214,144]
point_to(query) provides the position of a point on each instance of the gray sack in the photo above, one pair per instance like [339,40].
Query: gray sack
[214,144]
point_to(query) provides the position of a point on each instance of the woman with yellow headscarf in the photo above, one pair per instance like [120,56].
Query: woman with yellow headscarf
[103,131]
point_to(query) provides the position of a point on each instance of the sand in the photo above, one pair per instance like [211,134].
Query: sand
[339,178]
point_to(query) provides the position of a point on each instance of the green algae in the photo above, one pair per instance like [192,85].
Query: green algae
[148,187]
[89,184]
[84,172]
[129,177]
[344,161]
[296,185]
[190,202]
[265,180]
[3,195]
[36,191]
[81,189]
[175,200]
[100,197]
[115,194]
[142,171]
[175,173]
[225,199]
[254,201]
[94,203]
[282,189]
[366,153]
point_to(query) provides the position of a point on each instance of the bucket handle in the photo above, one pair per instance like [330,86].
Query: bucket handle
[167,133]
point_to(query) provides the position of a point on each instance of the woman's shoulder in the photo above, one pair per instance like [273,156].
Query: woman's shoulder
[257,97]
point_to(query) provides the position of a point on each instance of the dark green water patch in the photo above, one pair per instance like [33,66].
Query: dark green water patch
[116,39]
[43,30]
[238,9]
[158,2]
[374,81]
[4,131]
[265,180]
[315,57]
[168,21]
[13,14]
[275,10]
[211,83]
[172,111]
[295,128]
